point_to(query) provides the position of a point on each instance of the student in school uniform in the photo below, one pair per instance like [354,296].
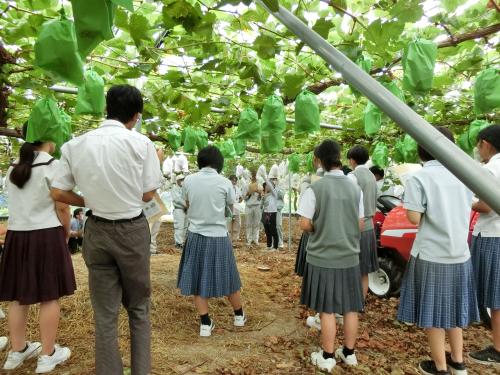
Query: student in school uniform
[438,287]
[368,260]
[486,247]
[208,267]
[36,265]
[331,211]
[280,204]
[270,214]
[253,214]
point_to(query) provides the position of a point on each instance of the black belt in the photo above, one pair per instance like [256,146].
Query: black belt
[118,221]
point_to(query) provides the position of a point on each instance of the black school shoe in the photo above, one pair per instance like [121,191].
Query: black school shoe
[488,356]
[429,368]
[455,367]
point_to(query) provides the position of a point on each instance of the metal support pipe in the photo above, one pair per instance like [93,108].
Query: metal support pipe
[64,89]
[289,211]
[453,158]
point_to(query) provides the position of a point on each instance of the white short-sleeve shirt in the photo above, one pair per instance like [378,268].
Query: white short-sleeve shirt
[112,167]
[488,225]
[32,207]
[445,206]
[307,205]
[208,194]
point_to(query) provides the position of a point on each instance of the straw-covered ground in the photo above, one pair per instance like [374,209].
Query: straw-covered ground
[275,340]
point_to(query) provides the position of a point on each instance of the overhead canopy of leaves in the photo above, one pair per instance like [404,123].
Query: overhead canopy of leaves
[189,57]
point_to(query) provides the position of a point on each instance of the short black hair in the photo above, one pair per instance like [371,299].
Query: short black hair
[328,152]
[233,177]
[359,154]
[123,102]
[77,211]
[210,156]
[377,171]
[346,169]
[427,156]
[491,134]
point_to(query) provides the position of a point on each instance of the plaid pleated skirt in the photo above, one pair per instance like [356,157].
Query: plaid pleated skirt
[36,266]
[332,290]
[368,259]
[300,260]
[437,295]
[208,267]
[486,262]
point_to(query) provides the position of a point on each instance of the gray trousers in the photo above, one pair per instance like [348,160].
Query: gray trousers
[253,216]
[117,257]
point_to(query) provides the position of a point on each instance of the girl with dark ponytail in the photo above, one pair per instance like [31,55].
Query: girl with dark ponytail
[36,265]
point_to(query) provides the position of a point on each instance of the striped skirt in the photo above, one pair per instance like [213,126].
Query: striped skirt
[486,261]
[300,261]
[208,267]
[436,295]
[332,290]
[368,259]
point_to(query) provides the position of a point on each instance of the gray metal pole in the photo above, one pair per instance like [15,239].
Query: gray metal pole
[289,210]
[454,159]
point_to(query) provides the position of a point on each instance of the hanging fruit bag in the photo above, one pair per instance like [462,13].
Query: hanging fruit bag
[487,91]
[240,146]
[47,123]
[201,139]
[227,149]
[91,99]
[174,139]
[372,119]
[189,137]
[307,117]
[91,26]
[380,155]
[273,123]
[249,125]
[56,51]
[419,59]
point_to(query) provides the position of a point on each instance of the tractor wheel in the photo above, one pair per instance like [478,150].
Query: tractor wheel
[386,282]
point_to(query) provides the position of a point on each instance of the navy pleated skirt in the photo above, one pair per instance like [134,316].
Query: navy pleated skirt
[368,259]
[332,290]
[437,295]
[36,266]
[208,267]
[300,260]
[486,261]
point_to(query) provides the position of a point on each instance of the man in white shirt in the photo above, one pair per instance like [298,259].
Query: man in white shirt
[179,212]
[117,171]
[235,223]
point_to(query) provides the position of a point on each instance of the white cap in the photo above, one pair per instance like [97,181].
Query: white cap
[179,177]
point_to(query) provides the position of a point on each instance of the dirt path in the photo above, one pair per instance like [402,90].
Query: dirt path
[275,340]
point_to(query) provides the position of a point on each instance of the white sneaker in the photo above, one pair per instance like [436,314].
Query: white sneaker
[206,330]
[314,322]
[47,363]
[3,342]
[323,364]
[240,320]
[2,314]
[350,360]
[16,359]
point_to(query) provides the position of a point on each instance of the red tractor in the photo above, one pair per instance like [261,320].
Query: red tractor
[395,236]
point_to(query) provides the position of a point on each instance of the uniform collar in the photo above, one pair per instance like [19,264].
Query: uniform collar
[113,123]
[335,172]
[361,166]
[494,157]
[208,170]
[432,163]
